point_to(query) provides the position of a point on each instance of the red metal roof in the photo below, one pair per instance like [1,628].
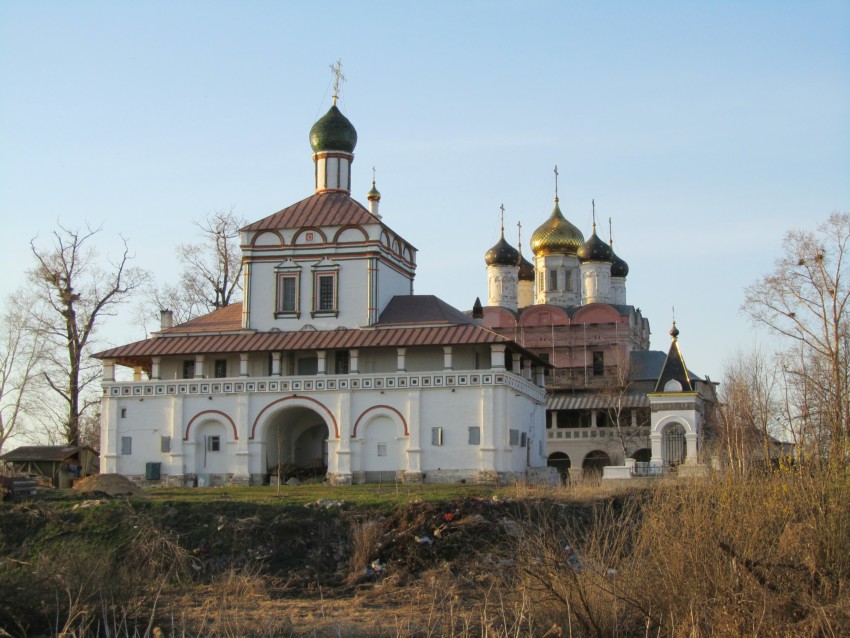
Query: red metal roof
[225,319]
[302,340]
[322,209]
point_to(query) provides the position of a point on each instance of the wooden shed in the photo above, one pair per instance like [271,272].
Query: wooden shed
[59,464]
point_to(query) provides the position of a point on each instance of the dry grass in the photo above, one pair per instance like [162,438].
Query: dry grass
[766,555]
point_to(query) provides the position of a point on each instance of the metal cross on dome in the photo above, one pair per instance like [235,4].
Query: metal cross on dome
[336,69]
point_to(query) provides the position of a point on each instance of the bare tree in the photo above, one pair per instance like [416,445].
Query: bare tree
[748,414]
[21,351]
[78,293]
[617,395]
[805,300]
[212,272]
[212,269]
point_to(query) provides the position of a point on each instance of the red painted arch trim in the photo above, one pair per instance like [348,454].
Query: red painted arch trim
[206,412]
[287,399]
[309,229]
[267,232]
[350,227]
[380,407]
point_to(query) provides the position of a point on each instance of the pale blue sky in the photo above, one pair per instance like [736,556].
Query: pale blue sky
[705,129]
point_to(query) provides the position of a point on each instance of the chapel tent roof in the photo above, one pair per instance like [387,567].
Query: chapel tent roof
[330,208]
[648,365]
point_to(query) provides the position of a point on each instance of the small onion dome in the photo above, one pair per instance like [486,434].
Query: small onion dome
[502,254]
[373,195]
[594,249]
[556,236]
[526,269]
[674,332]
[333,132]
[619,268]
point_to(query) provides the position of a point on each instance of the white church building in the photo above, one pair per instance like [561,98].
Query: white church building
[329,365]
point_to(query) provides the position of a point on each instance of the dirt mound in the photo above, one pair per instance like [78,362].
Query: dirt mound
[110,484]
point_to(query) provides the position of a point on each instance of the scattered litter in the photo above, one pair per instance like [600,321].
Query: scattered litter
[85,505]
[376,569]
[422,540]
[325,503]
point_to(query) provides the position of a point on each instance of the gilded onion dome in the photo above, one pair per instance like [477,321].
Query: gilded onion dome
[333,132]
[526,269]
[594,249]
[373,195]
[619,268]
[556,235]
[502,254]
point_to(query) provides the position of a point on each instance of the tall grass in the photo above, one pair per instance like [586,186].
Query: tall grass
[765,555]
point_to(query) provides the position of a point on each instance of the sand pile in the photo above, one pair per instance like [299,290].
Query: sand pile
[111,484]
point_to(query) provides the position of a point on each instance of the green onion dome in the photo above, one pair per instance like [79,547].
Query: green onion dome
[333,132]
[594,249]
[502,254]
[556,236]
[526,269]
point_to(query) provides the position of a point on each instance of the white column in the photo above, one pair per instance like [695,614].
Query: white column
[353,361]
[497,356]
[414,447]
[447,358]
[108,370]
[199,366]
[400,353]
[178,460]
[691,447]
[526,369]
[539,376]
[243,364]
[517,363]
[155,362]
[322,356]
[275,364]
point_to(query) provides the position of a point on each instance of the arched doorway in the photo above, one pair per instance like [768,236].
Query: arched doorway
[561,462]
[673,444]
[643,455]
[296,441]
[593,464]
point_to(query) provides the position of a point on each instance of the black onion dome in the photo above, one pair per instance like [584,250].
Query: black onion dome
[333,132]
[619,268]
[594,249]
[502,254]
[526,269]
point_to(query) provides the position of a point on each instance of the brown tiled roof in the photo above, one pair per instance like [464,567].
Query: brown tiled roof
[225,319]
[322,209]
[136,353]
